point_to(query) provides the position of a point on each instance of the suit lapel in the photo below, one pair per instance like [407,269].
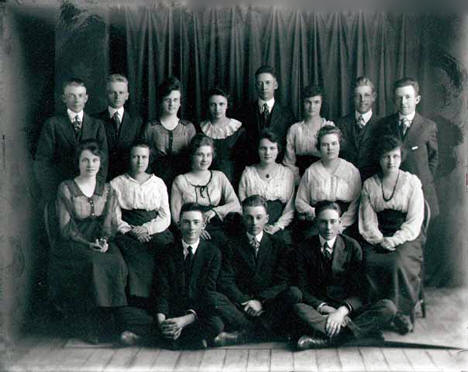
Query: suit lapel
[197,264]
[263,251]
[68,130]
[339,254]
[414,132]
[125,128]
[275,115]
[246,251]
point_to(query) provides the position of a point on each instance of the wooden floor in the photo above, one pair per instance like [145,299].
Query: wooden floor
[446,324]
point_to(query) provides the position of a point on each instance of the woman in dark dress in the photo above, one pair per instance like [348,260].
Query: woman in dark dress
[169,136]
[227,134]
[142,219]
[88,274]
[390,218]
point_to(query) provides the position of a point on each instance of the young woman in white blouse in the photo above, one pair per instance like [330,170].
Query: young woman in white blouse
[143,218]
[209,188]
[301,140]
[272,181]
[331,178]
[390,218]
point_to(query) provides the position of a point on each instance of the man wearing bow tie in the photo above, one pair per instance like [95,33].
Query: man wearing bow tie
[122,129]
[358,129]
[55,156]
[255,297]
[329,275]
[419,137]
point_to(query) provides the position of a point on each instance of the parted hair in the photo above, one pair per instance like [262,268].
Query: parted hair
[113,78]
[73,81]
[326,204]
[325,130]
[190,207]
[255,201]
[388,143]
[90,145]
[265,69]
[168,85]
[198,141]
[404,82]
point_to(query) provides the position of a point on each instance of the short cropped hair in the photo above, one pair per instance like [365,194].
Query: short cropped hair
[116,78]
[326,204]
[364,81]
[168,85]
[190,207]
[90,145]
[404,82]
[265,69]
[312,90]
[198,141]
[270,136]
[73,81]
[389,143]
[328,129]
[255,201]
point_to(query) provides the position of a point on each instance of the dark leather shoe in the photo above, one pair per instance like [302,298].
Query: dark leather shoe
[128,338]
[308,342]
[229,338]
[402,323]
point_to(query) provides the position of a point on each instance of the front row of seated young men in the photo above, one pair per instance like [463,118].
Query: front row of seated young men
[246,291]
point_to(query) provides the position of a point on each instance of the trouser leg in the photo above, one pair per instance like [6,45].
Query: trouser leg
[373,318]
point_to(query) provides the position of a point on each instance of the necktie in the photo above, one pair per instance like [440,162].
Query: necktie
[404,126]
[360,122]
[255,244]
[327,252]
[265,115]
[77,124]
[188,266]
[116,121]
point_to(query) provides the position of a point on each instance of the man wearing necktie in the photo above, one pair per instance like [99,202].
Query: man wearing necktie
[419,137]
[358,129]
[187,272]
[264,112]
[329,274]
[122,128]
[55,156]
[254,298]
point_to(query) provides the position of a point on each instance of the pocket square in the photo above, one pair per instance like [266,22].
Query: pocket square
[414,148]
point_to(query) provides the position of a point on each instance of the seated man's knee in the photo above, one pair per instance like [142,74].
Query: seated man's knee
[292,295]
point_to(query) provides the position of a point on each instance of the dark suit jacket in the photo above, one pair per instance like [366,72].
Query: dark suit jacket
[170,295]
[342,283]
[120,143]
[281,118]
[54,161]
[244,277]
[358,145]
[420,143]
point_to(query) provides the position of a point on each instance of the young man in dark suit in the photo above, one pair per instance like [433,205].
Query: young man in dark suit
[186,274]
[255,297]
[122,129]
[419,137]
[54,161]
[265,112]
[358,129]
[329,274]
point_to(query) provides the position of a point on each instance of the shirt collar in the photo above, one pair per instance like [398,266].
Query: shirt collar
[270,103]
[71,115]
[112,111]
[257,237]
[367,116]
[193,245]
[410,117]
[331,243]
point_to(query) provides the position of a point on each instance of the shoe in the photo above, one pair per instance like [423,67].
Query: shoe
[402,323]
[128,338]
[229,338]
[308,342]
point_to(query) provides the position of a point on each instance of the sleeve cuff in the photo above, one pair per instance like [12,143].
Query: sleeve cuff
[319,307]
[191,311]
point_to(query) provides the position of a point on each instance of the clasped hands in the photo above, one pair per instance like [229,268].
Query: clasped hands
[172,328]
[100,245]
[336,319]
[141,233]
[208,215]
[253,307]
[387,244]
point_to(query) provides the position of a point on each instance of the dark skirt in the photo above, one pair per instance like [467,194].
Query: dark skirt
[141,258]
[394,275]
[81,279]
[275,210]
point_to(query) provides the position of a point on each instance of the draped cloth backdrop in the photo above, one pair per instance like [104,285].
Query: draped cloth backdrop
[224,45]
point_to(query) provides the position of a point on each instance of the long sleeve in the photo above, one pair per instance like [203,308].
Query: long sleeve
[176,199]
[122,226]
[303,282]
[411,228]
[349,216]
[243,186]
[289,159]
[303,195]
[227,282]
[368,222]
[163,220]
[288,211]
[229,197]
[68,229]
